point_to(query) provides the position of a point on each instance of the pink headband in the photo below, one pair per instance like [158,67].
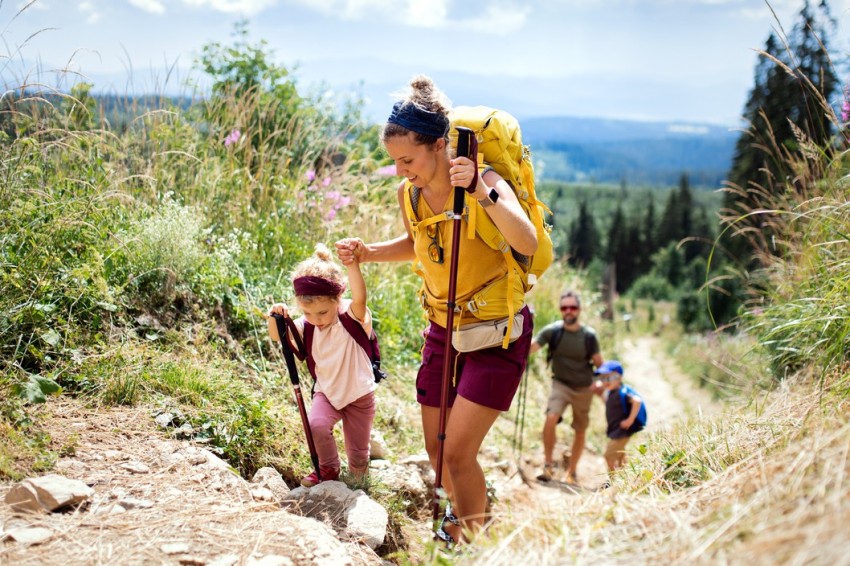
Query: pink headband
[312,286]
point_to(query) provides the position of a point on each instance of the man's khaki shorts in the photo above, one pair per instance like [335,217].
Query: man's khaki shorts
[579,398]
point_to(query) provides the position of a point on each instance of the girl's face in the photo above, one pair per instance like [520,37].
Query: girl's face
[417,162]
[321,312]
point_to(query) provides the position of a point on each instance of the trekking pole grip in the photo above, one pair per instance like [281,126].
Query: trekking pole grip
[467,146]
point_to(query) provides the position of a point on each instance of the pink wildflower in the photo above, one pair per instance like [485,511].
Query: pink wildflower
[331,214]
[845,108]
[326,181]
[387,171]
[232,137]
[310,175]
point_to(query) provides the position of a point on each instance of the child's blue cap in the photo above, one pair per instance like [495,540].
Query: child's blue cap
[609,367]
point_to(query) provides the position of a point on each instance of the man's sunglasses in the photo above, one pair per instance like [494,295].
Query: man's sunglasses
[565,308]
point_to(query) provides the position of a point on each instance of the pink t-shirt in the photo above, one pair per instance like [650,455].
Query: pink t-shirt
[343,369]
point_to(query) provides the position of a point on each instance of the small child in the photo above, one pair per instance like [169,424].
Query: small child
[345,384]
[624,409]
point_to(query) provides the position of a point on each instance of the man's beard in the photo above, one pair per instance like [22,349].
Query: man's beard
[570,319]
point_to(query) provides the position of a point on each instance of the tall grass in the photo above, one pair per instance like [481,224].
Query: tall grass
[155,227]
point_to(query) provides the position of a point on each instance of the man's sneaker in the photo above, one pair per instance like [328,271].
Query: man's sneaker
[546,475]
[570,478]
[328,474]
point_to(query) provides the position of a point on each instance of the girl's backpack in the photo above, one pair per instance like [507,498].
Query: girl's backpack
[356,330]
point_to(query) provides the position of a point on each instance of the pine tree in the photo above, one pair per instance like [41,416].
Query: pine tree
[784,113]
[650,244]
[584,243]
[669,228]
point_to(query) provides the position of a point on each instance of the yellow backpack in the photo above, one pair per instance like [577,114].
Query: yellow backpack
[500,147]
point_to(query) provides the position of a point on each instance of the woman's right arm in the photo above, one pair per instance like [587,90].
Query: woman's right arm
[397,249]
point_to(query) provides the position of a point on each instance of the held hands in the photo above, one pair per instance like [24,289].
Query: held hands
[351,251]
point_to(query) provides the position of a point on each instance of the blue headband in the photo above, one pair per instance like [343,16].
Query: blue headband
[416,119]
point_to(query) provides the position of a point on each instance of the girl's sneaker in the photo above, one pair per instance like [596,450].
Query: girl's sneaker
[328,474]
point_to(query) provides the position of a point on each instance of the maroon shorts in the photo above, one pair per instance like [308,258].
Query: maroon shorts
[489,377]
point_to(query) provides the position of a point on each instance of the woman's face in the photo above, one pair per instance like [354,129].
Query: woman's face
[417,162]
[321,312]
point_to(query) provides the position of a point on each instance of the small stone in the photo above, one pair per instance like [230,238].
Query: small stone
[262,494]
[136,467]
[30,535]
[175,548]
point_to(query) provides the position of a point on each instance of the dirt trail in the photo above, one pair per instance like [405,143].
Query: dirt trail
[188,503]
[669,393]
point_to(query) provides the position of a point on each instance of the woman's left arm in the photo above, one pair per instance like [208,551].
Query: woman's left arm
[506,213]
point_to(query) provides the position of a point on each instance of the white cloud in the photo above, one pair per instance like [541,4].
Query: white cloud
[90,10]
[233,6]
[501,17]
[152,6]
[426,13]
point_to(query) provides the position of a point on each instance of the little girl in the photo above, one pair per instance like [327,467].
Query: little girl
[345,385]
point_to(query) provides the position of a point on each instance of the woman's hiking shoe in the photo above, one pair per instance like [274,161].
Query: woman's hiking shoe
[449,516]
[328,474]
[546,475]
[441,532]
[445,537]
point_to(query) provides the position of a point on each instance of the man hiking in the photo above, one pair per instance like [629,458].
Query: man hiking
[573,352]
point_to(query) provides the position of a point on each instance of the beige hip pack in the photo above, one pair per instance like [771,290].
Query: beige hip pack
[486,334]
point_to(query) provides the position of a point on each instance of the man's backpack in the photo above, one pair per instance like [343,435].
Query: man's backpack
[356,330]
[640,420]
[555,339]
[500,147]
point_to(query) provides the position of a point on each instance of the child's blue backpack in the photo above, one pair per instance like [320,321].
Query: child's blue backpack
[640,420]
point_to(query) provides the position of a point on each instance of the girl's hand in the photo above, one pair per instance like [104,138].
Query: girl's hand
[351,250]
[626,423]
[279,308]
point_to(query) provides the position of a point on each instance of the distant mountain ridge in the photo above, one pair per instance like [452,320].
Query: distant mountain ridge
[604,150]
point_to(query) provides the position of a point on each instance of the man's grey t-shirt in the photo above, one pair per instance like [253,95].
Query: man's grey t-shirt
[570,360]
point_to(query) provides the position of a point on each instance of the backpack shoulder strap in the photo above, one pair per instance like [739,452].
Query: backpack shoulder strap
[308,350]
[554,340]
[624,397]
[356,330]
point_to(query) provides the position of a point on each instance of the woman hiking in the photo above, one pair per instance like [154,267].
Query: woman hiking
[345,385]
[484,381]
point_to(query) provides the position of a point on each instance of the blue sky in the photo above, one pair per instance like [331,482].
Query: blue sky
[681,60]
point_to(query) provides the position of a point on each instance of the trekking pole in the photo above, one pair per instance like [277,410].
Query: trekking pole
[278,329]
[524,392]
[466,147]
